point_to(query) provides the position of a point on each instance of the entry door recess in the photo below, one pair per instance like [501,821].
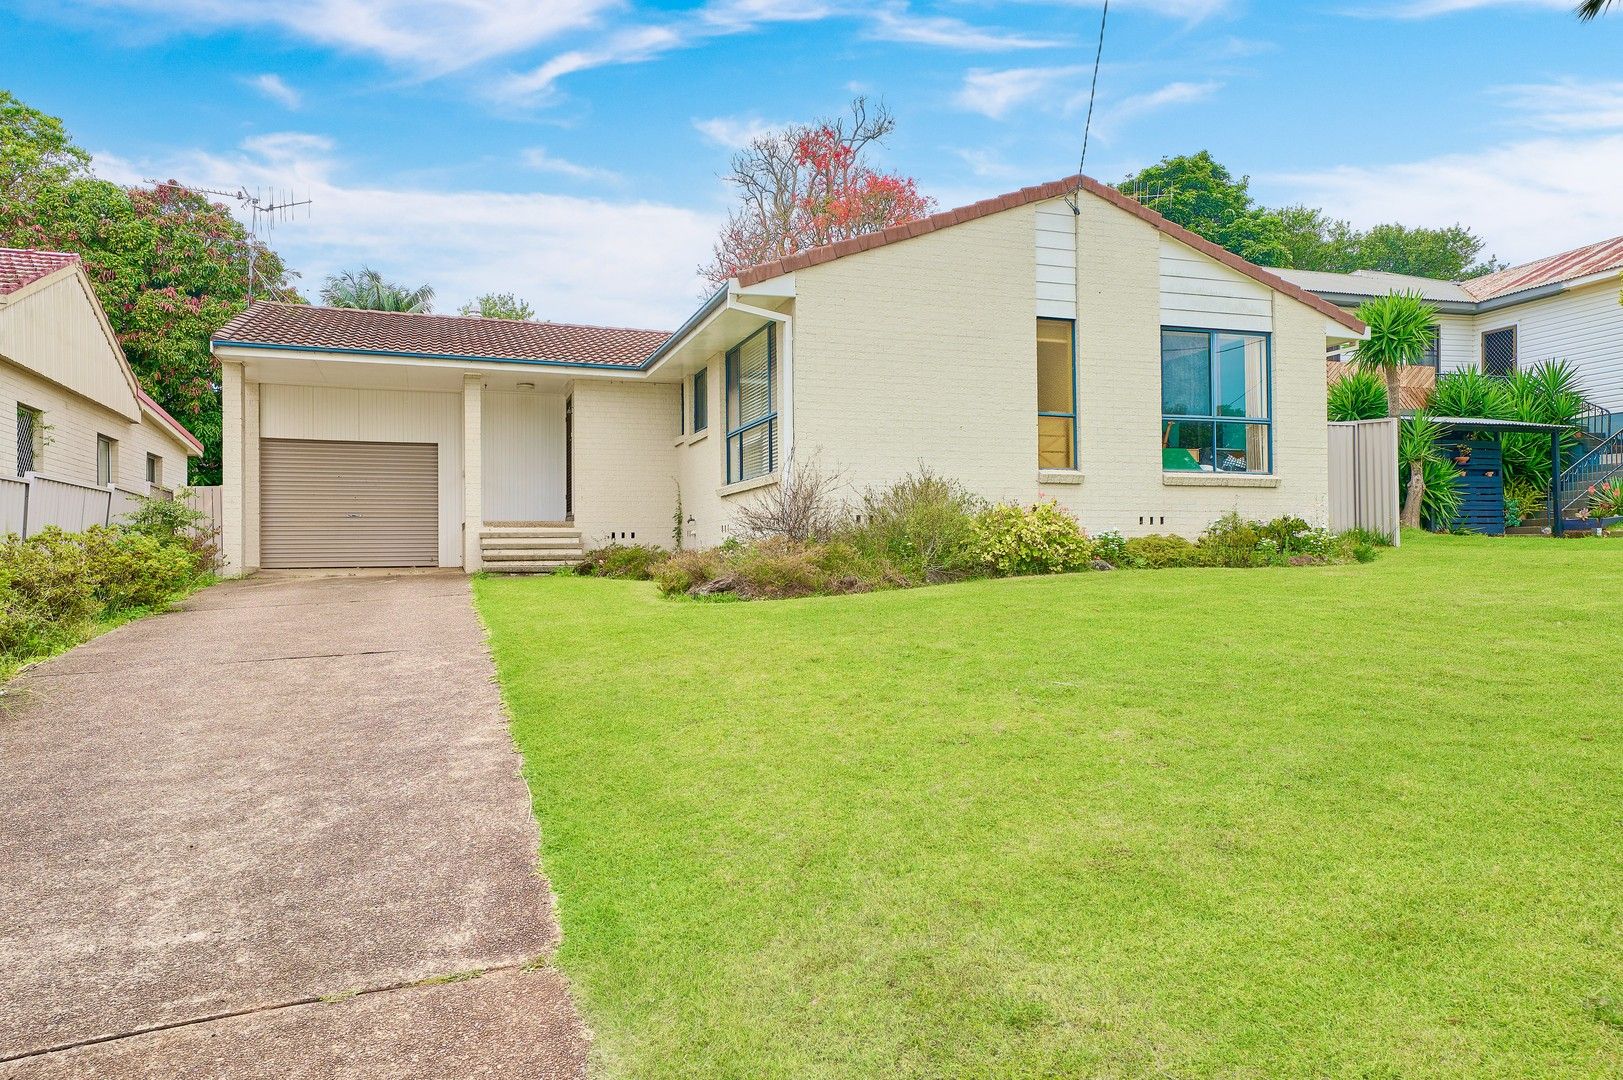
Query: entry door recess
[348,503]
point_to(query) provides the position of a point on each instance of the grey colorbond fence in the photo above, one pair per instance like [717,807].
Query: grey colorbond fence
[1364,476]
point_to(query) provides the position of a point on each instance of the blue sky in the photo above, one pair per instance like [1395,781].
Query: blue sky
[570,150]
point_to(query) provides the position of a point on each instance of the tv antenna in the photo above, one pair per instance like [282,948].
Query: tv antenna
[263,209]
[1071,200]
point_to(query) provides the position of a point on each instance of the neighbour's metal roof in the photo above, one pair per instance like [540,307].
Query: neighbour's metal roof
[1569,265]
[278,325]
[1371,283]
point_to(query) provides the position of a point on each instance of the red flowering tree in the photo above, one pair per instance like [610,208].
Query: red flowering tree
[809,185]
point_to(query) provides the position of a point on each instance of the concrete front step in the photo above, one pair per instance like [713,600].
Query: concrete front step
[538,542]
[513,530]
[549,566]
[570,555]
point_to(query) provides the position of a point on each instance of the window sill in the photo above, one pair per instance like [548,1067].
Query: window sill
[695,440]
[1214,479]
[1059,476]
[681,440]
[747,485]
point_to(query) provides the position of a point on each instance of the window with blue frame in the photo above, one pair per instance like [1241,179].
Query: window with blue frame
[701,400]
[1216,401]
[752,417]
[1056,394]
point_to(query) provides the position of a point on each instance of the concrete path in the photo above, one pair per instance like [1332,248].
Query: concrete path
[254,836]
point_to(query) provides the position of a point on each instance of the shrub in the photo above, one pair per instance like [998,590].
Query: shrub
[1157,552]
[633,561]
[803,506]
[687,570]
[1358,396]
[1231,541]
[1287,533]
[1111,547]
[132,569]
[1040,539]
[923,525]
[1606,500]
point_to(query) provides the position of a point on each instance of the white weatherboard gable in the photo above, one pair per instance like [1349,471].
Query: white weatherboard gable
[1056,260]
[1199,291]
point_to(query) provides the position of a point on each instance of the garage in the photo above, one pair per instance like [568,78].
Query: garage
[339,504]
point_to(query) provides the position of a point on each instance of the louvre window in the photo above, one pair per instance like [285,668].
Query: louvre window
[752,418]
[30,439]
[701,401]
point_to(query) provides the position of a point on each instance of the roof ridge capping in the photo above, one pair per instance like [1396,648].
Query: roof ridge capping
[458,315]
[1054,189]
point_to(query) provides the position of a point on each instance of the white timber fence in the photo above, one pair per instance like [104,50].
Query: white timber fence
[35,502]
[1364,476]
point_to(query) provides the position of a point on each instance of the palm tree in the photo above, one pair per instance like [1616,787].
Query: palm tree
[1590,8]
[366,289]
[1399,334]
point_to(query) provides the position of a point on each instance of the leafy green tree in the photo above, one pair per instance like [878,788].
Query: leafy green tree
[35,151]
[1399,333]
[1203,196]
[502,305]
[168,266]
[1198,193]
[366,289]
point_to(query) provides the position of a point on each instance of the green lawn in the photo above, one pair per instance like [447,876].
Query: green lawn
[1348,821]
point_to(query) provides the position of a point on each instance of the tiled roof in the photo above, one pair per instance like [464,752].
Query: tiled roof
[19,266]
[301,326]
[1042,193]
[1577,263]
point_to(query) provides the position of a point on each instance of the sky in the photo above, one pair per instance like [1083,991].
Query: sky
[571,151]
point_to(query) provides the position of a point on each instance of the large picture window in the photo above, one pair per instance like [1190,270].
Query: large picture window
[752,417]
[1056,394]
[1216,402]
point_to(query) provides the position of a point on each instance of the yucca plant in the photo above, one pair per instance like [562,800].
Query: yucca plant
[1399,334]
[1430,493]
[1546,393]
[1470,393]
[1358,396]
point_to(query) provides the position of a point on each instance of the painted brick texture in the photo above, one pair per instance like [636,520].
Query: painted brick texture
[625,463]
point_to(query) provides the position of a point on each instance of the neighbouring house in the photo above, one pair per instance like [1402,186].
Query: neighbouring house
[1564,307]
[80,418]
[1060,342]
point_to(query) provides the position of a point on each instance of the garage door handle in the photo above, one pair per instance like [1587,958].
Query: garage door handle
[352,515]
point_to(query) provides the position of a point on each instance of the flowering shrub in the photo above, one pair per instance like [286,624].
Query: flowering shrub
[1040,539]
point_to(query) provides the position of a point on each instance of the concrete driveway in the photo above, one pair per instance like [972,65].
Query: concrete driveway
[275,833]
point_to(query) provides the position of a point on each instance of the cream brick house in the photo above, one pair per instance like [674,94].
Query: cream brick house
[1061,342]
[79,416]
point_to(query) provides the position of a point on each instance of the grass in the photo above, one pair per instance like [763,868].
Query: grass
[1349,821]
[14,664]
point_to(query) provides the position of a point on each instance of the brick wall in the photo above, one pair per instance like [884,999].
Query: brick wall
[625,464]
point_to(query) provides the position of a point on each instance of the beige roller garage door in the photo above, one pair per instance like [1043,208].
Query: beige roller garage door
[348,503]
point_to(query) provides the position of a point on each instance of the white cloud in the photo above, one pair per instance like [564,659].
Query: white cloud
[540,160]
[1111,115]
[897,23]
[595,260]
[735,132]
[1427,9]
[1191,11]
[432,35]
[1568,105]
[273,87]
[994,93]
[631,46]
[1527,199]
[988,165]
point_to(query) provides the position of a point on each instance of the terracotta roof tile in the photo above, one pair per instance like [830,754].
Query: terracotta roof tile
[1577,263]
[1041,193]
[450,336]
[19,266]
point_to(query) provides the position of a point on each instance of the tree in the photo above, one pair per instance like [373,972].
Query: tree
[1589,9]
[503,305]
[1399,334]
[1201,195]
[1204,197]
[809,185]
[35,151]
[366,289]
[168,266]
